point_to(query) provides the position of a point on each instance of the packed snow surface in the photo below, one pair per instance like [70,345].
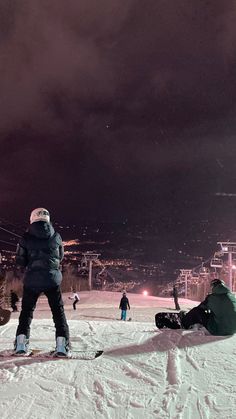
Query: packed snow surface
[143,373]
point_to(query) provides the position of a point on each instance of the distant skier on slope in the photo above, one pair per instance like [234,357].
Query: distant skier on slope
[75,297]
[13,300]
[124,305]
[40,251]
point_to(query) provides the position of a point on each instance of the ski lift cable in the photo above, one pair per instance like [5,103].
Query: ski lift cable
[7,222]
[194,269]
[105,268]
[8,251]
[10,232]
[4,241]
[203,263]
[101,272]
[101,264]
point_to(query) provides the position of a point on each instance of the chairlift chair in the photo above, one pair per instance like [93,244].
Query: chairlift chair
[84,262]
[83,266]
[216,263]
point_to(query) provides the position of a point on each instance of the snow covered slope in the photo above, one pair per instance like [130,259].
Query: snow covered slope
[144,373]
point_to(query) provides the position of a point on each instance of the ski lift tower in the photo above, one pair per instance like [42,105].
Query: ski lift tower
[186,273]
[90,257]
[229,248]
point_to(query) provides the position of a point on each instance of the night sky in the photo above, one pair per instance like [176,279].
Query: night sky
[118,110]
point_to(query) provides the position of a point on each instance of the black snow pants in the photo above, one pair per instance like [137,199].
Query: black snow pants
[177,307]
[29,300]
[14,307]
[194,316]
[74,304]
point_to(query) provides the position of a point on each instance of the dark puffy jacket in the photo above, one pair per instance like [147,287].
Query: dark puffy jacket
[40,251]
[222,306]
[124,303]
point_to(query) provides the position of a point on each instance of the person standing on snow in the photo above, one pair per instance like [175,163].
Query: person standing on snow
[40,252]
[176,296]
[124,305]
[13,300]
[75,298]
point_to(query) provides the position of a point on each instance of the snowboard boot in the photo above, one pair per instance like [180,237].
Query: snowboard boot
[21,345]
[62,347]
[181,317]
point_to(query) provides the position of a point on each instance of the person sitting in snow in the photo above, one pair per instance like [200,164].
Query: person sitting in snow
[40,252]
[124,304]
[75,298]
[217,313]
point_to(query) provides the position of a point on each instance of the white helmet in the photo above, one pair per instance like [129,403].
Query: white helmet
[39,214]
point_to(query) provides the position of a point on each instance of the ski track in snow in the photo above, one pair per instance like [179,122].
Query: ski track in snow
[144,374]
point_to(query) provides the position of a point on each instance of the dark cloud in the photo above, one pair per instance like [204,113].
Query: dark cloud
[115,103]
[65,58]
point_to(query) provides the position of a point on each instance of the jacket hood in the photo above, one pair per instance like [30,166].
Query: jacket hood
[41,230]
[220,289]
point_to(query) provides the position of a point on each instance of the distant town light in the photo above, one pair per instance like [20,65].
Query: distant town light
[145,293]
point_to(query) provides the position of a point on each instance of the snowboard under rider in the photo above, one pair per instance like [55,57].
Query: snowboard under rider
[124,305]
[40,251]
